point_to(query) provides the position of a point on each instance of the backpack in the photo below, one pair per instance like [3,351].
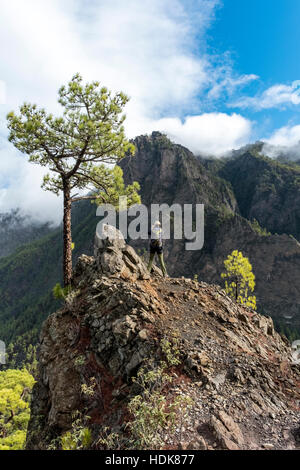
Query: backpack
[157,241]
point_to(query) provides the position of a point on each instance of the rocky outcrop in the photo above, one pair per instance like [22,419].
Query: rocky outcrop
[233,366]
[266,190]
[115,257]
[169,173]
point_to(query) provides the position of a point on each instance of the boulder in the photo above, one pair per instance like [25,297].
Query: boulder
[114,257]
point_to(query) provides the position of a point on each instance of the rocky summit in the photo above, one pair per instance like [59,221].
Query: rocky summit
[234,191]
[237,372]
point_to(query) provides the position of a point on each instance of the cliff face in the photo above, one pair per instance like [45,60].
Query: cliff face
[266,190]
[169,173]
[233,365]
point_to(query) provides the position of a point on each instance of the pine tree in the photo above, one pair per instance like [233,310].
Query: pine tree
[240,280]
[75,147]
[15,392]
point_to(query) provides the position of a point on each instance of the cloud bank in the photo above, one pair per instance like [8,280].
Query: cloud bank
[284,141]
[212,134]
[153,50]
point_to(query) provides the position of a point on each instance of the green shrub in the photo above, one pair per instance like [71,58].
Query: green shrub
[258,229]
[80,437]
[15,393]
[60,292]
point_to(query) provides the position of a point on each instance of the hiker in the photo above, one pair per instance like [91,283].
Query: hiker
[156,246]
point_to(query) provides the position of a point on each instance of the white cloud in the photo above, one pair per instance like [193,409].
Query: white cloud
[209,133]
[274,97]
[20,186]
[153,50]
[285,136]
[284,141]
[25,193]
[228,83]
[144,48]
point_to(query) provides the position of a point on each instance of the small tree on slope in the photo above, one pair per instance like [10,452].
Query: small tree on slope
[76,147]
[240,280]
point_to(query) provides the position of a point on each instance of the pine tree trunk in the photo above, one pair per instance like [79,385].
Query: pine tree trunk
[67,262]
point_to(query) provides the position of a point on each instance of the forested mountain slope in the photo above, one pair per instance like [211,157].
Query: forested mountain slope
[233,192]
[28,276]
[170,173]
[266,190]
[17,229]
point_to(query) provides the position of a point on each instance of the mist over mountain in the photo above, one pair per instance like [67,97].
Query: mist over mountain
[283,152]
[16,229]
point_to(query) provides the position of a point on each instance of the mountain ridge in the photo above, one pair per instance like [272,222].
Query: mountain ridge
[225,227]
[167,173]
[118,321]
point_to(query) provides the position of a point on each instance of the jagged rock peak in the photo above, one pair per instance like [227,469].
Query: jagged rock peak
[112,257]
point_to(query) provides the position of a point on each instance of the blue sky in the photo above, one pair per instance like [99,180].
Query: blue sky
[262,38]
[212,74]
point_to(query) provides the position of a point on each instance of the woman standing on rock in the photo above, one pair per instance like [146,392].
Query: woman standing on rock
[156,246]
